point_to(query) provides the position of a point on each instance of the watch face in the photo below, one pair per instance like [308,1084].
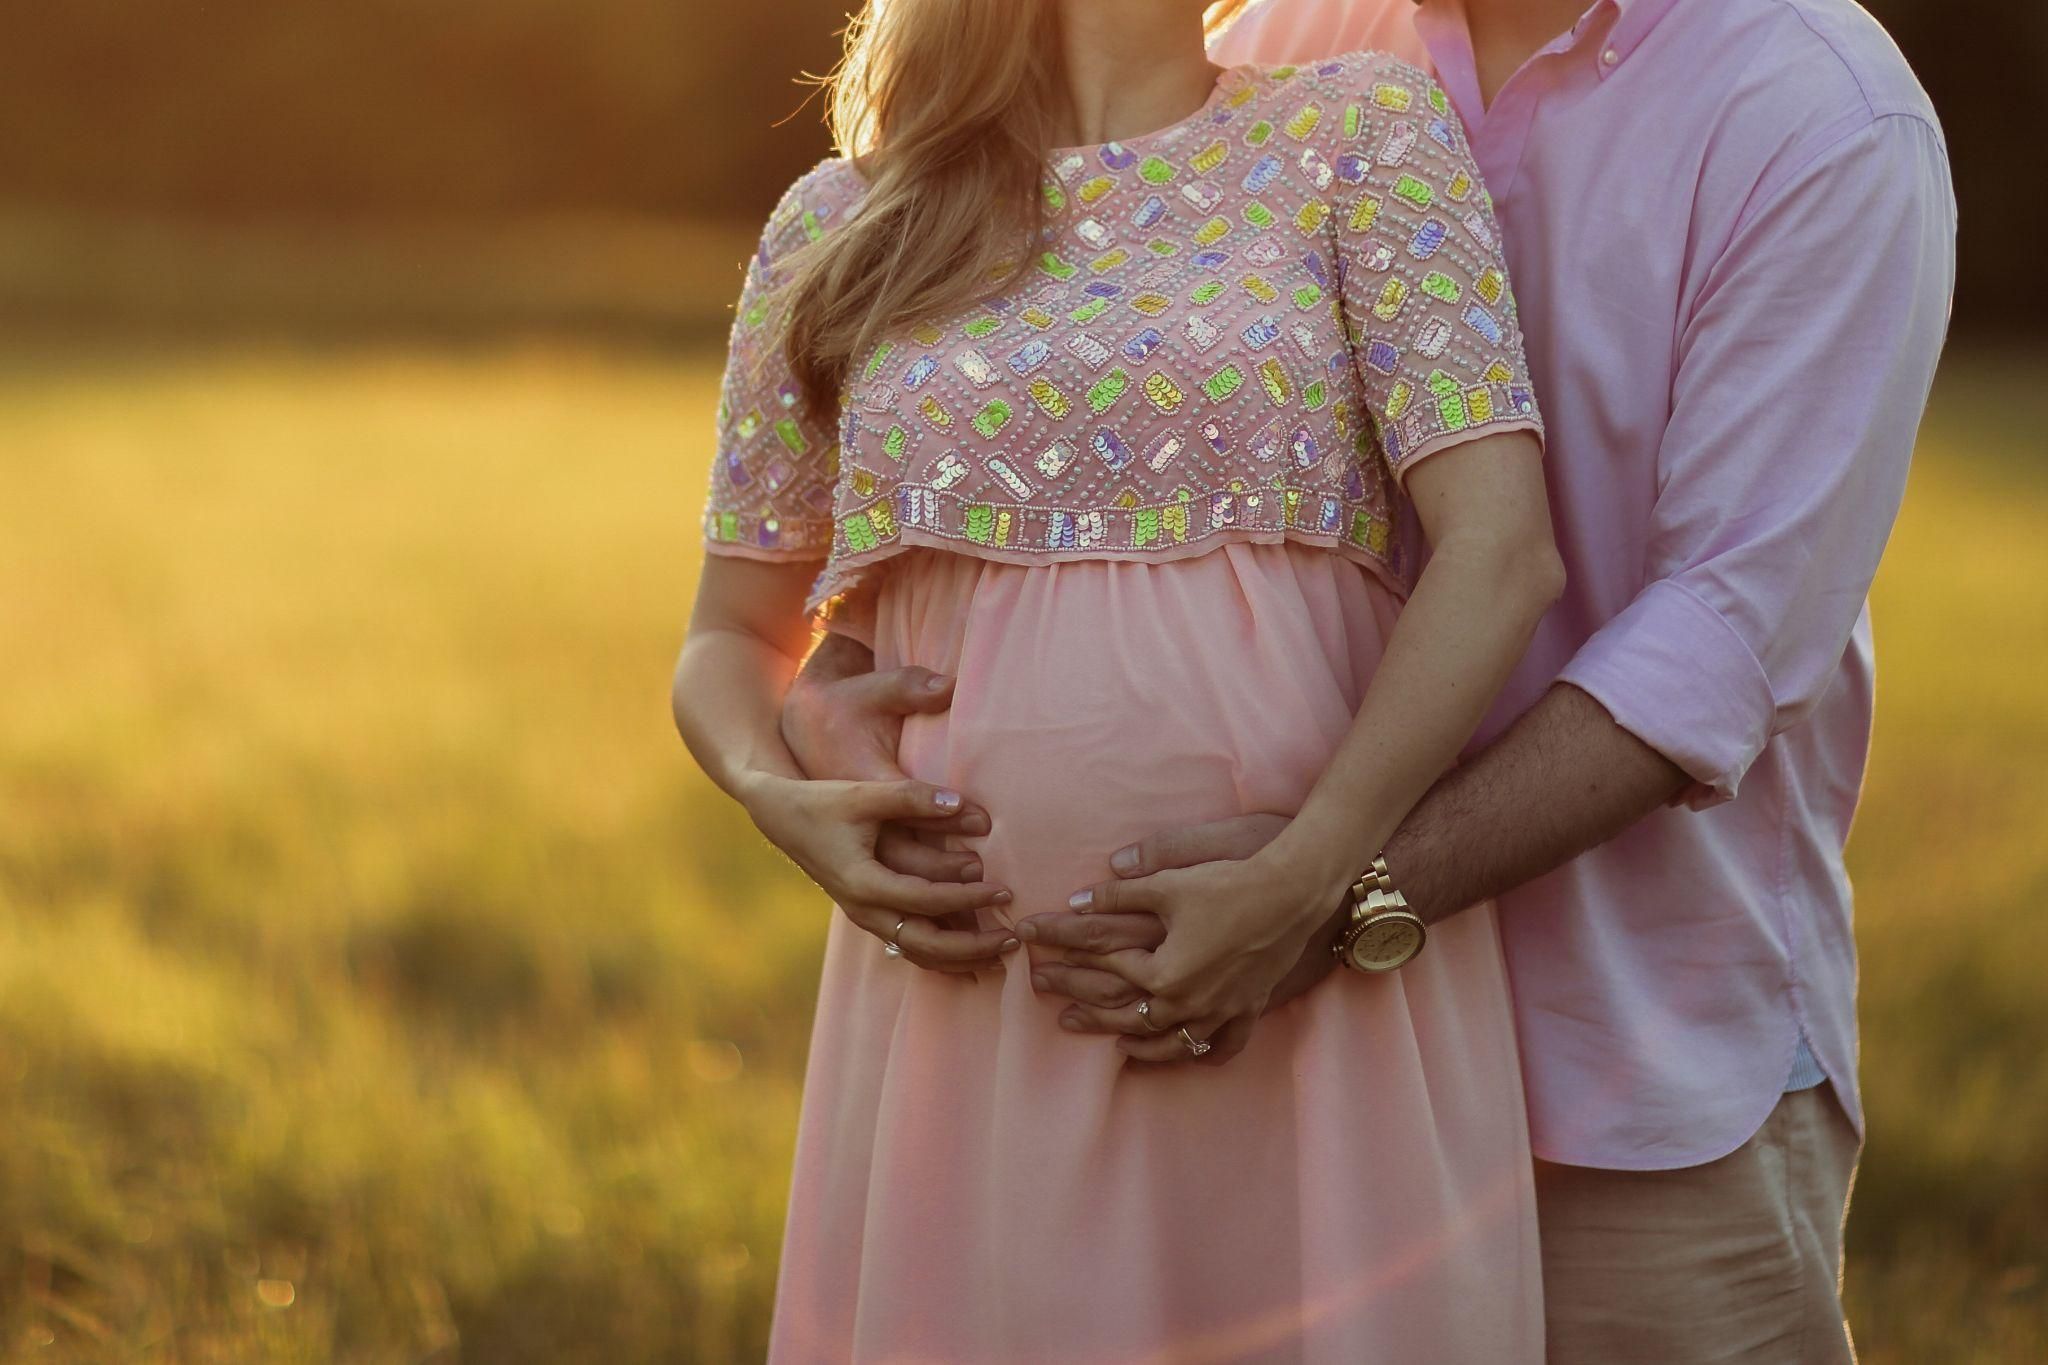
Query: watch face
[1385,944]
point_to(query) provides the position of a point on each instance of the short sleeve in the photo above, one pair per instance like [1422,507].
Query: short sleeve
[775,465]
[1423,281]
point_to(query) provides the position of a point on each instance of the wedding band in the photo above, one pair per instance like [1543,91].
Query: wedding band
[1197,1046]
[891,946]
[1145,1013]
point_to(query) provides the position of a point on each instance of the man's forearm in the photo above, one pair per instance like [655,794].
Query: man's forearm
[1563,779]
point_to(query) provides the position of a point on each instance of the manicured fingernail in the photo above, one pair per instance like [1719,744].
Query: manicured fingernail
[1027,930]
[1041,980]
[935,682]
[1002,898]
[1124,859]
[1070,1023]
[946,800]
[972,871]
[1081,900]
[1008,944]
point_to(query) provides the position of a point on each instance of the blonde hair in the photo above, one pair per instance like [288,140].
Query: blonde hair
[945,108]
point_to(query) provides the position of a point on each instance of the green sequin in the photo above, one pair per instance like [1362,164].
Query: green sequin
[1223,383]
[1107,390]
[992,418]
[860,532]
[1145,526]
[1438,285]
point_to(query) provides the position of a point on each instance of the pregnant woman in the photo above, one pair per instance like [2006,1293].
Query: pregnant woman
[1134,393]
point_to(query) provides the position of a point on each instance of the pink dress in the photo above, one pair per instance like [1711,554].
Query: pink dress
[972,1183]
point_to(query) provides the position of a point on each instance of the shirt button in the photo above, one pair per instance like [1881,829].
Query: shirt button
[1610,57]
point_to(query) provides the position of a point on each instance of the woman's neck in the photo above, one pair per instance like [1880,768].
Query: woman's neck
[1130,66]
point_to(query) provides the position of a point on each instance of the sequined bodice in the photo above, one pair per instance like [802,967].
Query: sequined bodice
[1246,325]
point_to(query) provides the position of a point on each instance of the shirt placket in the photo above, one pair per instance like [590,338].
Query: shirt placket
[1499,133]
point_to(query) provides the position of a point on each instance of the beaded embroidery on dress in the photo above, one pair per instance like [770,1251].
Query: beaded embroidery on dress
[1246,325]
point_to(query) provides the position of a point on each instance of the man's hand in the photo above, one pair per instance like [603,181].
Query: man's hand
[1097,989]
[842,720]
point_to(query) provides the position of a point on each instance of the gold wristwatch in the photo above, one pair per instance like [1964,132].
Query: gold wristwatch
[1383,933]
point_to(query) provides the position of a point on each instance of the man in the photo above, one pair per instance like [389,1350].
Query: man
[1732,237]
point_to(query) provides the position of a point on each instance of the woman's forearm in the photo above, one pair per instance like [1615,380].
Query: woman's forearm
[746,640]
[727,699]
[1452,649]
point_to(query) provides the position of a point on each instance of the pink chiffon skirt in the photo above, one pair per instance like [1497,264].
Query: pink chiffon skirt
[974,1184]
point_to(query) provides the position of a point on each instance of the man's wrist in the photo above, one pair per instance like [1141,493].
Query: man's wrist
[835,656]
[1334,924]
[808,711]
[1400,856]
[1317,961]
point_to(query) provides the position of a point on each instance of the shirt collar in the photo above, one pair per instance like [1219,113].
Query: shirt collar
[1633,20]
[1632,24]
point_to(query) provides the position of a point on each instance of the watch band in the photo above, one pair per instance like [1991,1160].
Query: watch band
[1376,901]
[1376,877]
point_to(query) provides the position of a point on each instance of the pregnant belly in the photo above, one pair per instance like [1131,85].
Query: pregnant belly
[1099,701]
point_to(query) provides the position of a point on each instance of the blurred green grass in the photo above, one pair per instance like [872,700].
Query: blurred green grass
[618,276]
[379,982]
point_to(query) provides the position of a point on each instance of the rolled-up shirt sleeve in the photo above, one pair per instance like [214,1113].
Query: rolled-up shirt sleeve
[1801,377]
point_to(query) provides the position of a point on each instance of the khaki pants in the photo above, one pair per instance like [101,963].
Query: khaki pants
[1736,1260]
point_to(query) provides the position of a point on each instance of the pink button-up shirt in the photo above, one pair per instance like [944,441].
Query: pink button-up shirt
[1731,229]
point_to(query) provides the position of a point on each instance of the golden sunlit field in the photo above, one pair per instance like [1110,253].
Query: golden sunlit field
[380,983]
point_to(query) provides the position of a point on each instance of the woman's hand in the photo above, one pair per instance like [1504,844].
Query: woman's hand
[1239,836]
[1236,933]
[830,829]
[842,719]
[747,641]
[1100,995]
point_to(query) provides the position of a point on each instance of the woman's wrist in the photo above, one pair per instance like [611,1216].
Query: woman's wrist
[1318,869]
[752,786]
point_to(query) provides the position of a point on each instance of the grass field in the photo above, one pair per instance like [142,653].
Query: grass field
[379,982]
